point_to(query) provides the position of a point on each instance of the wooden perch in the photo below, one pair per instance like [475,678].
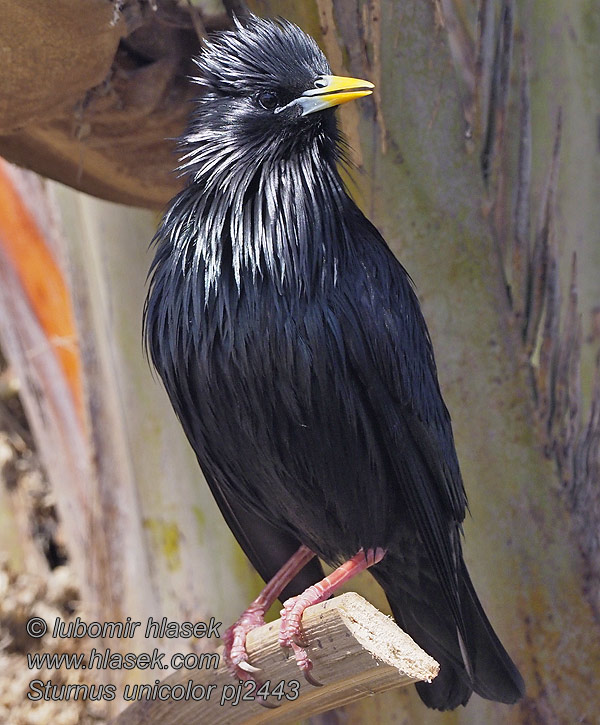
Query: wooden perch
[356,651]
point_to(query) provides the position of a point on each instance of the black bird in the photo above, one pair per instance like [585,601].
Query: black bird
[291,343]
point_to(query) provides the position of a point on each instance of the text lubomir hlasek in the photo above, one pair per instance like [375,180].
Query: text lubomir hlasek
[155,628]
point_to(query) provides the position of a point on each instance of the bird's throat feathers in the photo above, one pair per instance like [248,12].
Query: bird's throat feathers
[252,214]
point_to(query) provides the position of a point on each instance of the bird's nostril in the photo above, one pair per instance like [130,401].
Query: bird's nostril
[320,83]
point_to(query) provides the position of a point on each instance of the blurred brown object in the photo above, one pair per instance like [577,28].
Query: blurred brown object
[92,92]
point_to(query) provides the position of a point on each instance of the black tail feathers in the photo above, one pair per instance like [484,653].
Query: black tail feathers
[496,677]
[426,617]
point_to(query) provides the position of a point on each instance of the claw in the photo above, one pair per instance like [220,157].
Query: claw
[247,667]
[311,680]
[265,703]
[299,640]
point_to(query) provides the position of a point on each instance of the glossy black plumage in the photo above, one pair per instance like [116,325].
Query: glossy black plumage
[292,346]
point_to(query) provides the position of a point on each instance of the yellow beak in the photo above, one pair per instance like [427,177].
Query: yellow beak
[332,91]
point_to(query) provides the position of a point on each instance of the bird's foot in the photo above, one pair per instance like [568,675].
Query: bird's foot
[290,630]
[290,633]
[235,654]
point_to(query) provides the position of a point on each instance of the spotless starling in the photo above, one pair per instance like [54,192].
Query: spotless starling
[292,346]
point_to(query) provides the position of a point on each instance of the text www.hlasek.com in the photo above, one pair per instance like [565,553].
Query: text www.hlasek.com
[107,659]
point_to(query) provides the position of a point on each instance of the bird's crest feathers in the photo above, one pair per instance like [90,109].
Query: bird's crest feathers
[259,52]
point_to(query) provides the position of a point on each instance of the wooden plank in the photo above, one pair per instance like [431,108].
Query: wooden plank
[356,652]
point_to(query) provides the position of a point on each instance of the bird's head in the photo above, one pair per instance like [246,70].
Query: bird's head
[269,93]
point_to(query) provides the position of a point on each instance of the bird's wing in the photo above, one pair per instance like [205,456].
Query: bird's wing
[389,352]
[388,343]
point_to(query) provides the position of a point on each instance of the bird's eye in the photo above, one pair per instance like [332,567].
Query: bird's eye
[268,100]
[320,83]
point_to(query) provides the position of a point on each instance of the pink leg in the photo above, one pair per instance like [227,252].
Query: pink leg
[235,653]
[293,609]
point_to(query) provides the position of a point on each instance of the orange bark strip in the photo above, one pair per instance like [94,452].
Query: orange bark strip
[43,281]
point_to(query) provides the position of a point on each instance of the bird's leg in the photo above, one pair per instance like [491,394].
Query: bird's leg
[293,609]
[236,656]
